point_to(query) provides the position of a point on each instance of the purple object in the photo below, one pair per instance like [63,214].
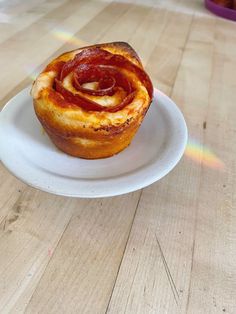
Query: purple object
[221,11]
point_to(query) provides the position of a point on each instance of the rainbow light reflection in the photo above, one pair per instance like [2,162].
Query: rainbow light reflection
[67,36]
[203,155]
[31,71]
[62,35]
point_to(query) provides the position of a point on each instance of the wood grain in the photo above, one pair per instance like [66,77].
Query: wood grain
[83,270]
[170,248]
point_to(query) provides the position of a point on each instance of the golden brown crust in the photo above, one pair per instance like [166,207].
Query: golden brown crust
[89,134]
[119,47]
[125,48]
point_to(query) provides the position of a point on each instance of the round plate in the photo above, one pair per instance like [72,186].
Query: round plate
[28,153]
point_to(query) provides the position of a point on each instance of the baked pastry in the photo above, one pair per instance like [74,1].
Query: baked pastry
[91,101]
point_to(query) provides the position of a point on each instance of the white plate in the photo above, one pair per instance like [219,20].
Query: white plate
[28,153]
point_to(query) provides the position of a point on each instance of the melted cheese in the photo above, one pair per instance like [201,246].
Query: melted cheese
[91,85]
[106,101]
[43,81]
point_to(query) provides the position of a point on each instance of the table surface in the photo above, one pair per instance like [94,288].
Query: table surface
[168,248]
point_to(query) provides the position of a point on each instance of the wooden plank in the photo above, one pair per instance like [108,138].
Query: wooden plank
[28,237]
[213,278]
[46,43]
[16,21]
[155,272]
[180,254]
[165,59]
[11,188]
[124,28]
[81,274]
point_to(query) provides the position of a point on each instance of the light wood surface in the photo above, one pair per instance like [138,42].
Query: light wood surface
[170,248]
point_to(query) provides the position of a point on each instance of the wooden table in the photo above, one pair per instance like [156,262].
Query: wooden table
[169,248]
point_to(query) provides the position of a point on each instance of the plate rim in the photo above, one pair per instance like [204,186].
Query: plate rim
[134,187]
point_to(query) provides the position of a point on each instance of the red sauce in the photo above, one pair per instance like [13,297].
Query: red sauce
[96,65]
